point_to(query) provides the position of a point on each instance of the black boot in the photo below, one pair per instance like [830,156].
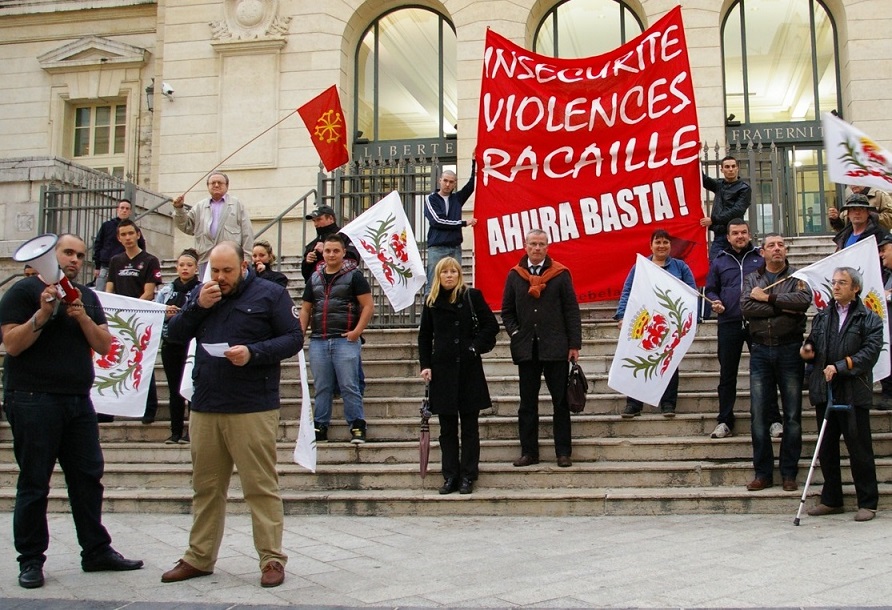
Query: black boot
[467,486]
[449,485]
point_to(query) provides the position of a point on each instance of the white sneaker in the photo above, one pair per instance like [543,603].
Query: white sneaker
[776,430]
[721,431]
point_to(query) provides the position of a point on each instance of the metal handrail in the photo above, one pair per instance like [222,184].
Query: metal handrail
[278,221]
[10,278]
[151,209]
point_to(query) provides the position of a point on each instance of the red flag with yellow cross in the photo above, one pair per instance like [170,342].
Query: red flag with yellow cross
[324,119]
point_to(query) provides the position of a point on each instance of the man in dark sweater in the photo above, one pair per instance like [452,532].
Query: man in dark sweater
[106,244]
[732,199]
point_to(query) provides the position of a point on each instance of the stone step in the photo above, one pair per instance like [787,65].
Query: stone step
[493,475]
[424,500]
[493,427]
[615,450]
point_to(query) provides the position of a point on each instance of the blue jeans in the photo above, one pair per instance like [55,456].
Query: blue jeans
[102,278]
[774,368]
[47,427]
[336,363]
[437,253]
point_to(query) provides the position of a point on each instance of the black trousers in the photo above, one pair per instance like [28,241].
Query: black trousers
[860,445]
[731,338]
[467,465]
[173,357]
[555,373]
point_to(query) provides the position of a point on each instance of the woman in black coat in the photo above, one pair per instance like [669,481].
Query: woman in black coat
[450,343]
[263,257]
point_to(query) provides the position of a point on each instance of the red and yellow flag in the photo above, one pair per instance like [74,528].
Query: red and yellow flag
[325,121]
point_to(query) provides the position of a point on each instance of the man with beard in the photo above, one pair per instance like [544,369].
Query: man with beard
[48,374]
[235,407]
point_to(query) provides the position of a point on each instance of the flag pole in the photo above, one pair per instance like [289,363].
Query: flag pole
[208,173]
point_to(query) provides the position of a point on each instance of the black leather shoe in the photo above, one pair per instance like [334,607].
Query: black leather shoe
[449,485]
[31,576]
[467,486]
[110,561]
[525,460]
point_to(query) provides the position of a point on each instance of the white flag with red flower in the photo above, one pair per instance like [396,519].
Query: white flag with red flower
[385,240]
[863,257]
[305,447]
[121,385]
[853,157]
[658,329]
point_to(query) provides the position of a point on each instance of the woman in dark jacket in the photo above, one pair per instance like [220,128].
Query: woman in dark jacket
[263,257]
[450,343]
[173,354]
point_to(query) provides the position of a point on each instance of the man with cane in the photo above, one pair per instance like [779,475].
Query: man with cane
[844,345]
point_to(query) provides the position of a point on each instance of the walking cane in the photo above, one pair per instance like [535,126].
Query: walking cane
[811,469]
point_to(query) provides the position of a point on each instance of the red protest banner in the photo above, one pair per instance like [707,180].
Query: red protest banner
[325,121]
[599,152]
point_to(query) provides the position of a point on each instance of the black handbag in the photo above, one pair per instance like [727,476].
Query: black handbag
[577,388]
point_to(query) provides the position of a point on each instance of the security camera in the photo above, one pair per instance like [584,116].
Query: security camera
[166,89]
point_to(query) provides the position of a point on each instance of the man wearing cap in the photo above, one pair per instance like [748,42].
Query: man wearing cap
[221,217]
[442,208]
[324,220]
[861,223]
[879,200]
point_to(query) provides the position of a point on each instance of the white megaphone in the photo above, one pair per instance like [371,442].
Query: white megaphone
[40,254]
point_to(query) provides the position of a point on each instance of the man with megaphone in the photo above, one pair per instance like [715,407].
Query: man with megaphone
[48,406]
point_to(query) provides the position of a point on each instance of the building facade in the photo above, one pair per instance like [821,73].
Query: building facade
[162,91]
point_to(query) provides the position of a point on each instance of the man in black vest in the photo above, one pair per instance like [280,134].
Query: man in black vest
[338,300]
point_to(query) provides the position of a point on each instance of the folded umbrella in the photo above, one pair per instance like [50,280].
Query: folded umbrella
[424,438]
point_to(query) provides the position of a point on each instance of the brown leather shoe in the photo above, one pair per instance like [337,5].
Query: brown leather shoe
[525,460]
[758,484]
[790,485]
[272,574]
[564,461]
[820,510]
[183,571]
[865,514]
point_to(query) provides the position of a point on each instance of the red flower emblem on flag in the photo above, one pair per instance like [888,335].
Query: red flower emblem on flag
[868,157]
[390,248]
[659,333]
[130,337]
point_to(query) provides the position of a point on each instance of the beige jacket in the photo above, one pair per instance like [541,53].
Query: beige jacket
[235,226]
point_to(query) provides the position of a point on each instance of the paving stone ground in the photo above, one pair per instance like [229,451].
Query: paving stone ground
[716,561]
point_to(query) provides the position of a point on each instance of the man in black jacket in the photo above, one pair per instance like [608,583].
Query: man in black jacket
[106,244]
[774,304]
[732,200]
[541,315]
[845,343]
[325,221]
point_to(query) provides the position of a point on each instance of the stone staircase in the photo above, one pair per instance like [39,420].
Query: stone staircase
[646,465]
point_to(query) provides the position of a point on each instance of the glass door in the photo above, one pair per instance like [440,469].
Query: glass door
[807,192]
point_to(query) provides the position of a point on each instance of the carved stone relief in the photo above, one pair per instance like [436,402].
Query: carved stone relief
[250,20]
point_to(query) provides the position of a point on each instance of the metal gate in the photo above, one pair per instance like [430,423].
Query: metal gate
[353,190]
[782,201]
[81,209]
